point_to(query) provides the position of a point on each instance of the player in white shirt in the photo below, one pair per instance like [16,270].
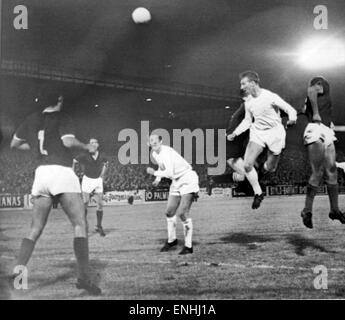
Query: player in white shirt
[183,190]
[262,117]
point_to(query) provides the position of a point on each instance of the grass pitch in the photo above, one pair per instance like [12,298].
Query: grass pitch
[238,253]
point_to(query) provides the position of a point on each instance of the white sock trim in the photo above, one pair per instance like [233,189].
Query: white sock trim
[171,224]
[253,179]
[188,232]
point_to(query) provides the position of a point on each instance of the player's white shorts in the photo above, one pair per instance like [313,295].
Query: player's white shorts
[51,180]
[315,132]
[188,183]
[273,139]
[89,185]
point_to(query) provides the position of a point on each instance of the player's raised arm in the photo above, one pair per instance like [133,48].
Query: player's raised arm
[68,138]
[339,128]
[19,144]
[312,95]
[19,139]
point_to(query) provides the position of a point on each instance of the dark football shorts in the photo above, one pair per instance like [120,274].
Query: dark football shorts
[237,147]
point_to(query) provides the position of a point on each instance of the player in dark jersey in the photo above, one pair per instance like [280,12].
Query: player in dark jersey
[52,134]
[235,151]
[319,139]
[94,165]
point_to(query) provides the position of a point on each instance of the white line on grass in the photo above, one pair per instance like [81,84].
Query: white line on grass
[190,263]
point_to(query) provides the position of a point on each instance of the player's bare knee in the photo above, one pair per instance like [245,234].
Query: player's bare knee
[332,170]
[80,231]
[331,176]
[316,179]
[170,213]
[317,174]
[248,167]
[35,233]
[182,215]
[232,162]
[272,169]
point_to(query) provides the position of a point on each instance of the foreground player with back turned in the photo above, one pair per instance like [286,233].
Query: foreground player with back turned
[262,117]
[53,133]
[94,167]
[183,190]
[319,139]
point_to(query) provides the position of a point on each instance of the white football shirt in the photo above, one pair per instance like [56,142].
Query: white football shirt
[265,110]
[171,164]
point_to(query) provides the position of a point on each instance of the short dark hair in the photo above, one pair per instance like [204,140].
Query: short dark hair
[251,75]
[324,83]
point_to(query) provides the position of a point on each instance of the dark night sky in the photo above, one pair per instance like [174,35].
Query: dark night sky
[189,41]
[205,42]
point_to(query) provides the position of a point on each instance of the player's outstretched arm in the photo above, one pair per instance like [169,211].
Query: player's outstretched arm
[243,126]
[339,128]
[70,141]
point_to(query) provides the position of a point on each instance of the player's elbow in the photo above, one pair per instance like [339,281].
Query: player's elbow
[15,143]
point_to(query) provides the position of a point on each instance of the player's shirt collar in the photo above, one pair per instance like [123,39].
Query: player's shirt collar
[95,156]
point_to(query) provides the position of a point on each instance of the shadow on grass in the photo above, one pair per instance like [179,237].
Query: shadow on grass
[300,243]
[248,240]
[96,268]
[4,284]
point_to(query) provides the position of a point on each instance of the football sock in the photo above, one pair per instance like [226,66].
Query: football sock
[332,190]
[26,249]
[188,232]
[311,193]
[253,179]
[99,214]
[81,251]
[86,222]
[171,229]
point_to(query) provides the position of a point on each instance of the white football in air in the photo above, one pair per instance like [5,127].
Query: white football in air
[141,15]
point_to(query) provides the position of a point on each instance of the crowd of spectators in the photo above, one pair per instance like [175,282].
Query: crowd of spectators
[17,172]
